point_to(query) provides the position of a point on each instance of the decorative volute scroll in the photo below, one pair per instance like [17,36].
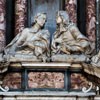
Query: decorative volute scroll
[71,8]
[20,15]
[85,90]
[2,24]
[5,89]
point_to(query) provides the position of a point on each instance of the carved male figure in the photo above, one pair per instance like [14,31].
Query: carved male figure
[34,40]
[67,38]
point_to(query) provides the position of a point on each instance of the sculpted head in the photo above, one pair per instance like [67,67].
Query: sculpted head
[40,18]
[62,17]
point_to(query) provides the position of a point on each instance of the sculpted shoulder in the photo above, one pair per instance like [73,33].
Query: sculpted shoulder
[45,31]
[25,30]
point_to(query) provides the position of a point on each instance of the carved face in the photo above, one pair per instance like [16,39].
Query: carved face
[40,19]
[58,19]
[62,17]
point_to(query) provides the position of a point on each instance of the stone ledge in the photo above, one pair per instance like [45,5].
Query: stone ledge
[41,65]
[47,93]
[50,65]
[38,98]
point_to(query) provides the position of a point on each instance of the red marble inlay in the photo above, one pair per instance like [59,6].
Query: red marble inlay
[71,8]
[12,80]
[20,15]
[45,80]
[2,24]
[91,19]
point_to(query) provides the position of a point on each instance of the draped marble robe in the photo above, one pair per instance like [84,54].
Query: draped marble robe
[71,8]
[20,15]
[2,24]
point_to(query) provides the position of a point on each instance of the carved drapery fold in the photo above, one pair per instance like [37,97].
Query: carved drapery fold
[2,24]
[20,15]
[71,8]
[91,19]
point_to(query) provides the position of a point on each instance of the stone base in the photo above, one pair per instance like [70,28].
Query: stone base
[23,58]
[69,58]
[37,65]
[50,98]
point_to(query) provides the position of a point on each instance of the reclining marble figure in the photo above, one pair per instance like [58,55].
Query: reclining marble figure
[68,44]
[32,44]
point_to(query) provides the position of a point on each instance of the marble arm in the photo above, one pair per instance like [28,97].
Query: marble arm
[11,47]
[23,36]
